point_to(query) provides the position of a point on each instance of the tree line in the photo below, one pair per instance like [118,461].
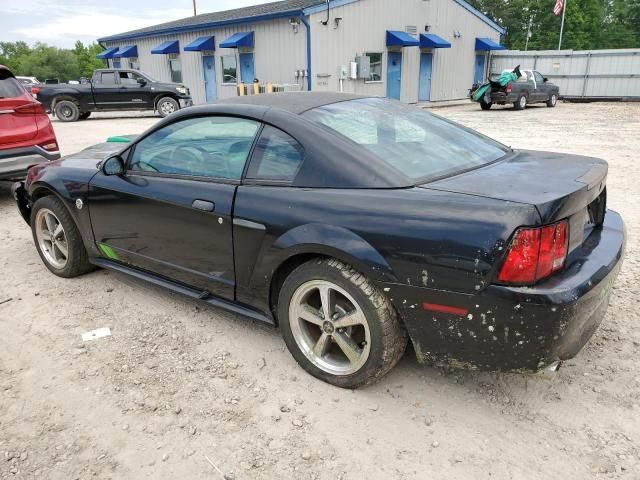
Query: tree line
[589,24]
[44,61]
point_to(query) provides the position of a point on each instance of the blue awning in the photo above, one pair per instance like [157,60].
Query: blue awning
[239,40]
[484,44]
[429,40]
[108,53]
[201,43]
[126,52]
[165,48]
[400,39]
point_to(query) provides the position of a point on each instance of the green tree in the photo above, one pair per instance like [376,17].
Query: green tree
[86,57]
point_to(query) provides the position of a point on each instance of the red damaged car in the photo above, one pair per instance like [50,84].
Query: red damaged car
[26,134]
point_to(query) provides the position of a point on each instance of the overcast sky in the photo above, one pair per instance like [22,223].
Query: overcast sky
[62,22]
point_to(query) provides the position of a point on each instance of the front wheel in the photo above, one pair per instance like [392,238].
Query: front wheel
[553,99]
[337,325]
[57,238]
[167,105]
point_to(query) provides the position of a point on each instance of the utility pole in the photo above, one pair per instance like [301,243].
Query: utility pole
[194,8]
[526,43]
[564,10]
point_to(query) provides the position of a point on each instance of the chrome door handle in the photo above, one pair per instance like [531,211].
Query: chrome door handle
[204,205]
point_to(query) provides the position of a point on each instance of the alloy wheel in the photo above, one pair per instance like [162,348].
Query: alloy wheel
[523,101]
[553,100]
[329,327]
[52,239]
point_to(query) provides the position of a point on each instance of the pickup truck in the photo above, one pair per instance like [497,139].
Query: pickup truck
[112,90]
[531,87]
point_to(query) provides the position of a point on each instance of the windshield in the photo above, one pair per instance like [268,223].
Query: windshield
[420,145]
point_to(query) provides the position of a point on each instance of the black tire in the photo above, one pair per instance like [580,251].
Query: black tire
[553,99]
[485,105]
[77,261]
[518,105]
[85,115]
[388,338]
[167,105]
[67,111]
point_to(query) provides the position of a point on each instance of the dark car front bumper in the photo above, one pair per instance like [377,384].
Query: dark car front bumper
[15,162]
[519,328]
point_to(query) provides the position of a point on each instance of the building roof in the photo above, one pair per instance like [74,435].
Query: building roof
[237,15]
[255,13]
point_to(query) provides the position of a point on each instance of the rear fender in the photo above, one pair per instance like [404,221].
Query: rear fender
[338,242]
[311,240]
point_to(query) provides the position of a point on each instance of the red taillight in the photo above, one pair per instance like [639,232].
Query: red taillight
[30,109]
[508,88]
[535,253]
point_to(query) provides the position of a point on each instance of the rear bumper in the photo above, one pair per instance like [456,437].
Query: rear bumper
[519,328]
[15,162]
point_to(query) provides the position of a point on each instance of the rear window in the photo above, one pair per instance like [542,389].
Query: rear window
[420,145]
[9,86]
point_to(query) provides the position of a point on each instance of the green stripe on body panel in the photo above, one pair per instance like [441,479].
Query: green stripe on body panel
[108,251]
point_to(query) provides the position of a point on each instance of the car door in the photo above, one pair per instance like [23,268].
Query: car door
[135,95]
[170,213]
[542,90]
[106,90]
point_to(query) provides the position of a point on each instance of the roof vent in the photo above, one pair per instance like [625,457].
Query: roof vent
[411,29]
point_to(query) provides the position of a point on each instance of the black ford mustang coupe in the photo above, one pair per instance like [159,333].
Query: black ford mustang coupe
[352,223]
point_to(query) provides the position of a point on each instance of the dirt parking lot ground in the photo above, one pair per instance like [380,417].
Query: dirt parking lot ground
[179,383]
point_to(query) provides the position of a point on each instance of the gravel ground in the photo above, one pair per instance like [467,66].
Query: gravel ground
[180,387]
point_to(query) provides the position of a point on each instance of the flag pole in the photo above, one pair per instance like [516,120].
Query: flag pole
[564,9]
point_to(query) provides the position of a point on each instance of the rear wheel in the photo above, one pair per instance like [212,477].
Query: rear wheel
[485,105]
[67,111]
[553,99]
[521,103]
[85,115]
[167,105]
[337,325]
[57,238]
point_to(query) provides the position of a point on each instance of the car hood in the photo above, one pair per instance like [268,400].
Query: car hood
[555,183]
[167,85]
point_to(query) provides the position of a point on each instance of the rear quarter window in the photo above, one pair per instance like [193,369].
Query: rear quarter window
[277,156]
[9,86]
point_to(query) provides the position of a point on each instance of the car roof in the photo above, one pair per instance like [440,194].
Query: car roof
[294,102]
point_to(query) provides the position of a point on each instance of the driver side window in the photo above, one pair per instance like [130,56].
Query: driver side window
[215,147]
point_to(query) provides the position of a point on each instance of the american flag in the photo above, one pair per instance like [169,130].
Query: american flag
[559,7]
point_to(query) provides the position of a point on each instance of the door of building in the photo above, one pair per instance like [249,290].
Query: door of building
[478,77]
[424,85]
[394,74]
[209,68]
[246,68]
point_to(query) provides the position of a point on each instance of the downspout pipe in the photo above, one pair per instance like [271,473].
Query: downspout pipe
[303,19]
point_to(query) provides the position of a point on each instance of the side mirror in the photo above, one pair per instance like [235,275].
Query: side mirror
[113,166]
[546,79]
[142,82]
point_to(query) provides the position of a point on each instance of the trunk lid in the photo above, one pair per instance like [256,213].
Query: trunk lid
[558,185]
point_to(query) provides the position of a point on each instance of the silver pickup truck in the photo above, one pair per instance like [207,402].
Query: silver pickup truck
[531,87]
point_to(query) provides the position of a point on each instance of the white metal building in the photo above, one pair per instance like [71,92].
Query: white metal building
[412,50]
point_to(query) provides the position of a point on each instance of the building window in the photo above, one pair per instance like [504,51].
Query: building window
[135,64]
[176,70]
[229,69]
[375,59]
